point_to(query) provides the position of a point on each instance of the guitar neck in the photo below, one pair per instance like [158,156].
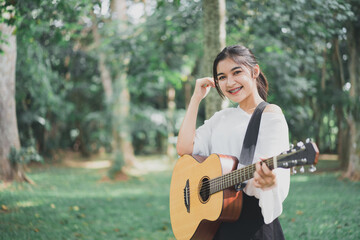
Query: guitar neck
[301,155]
[238,176]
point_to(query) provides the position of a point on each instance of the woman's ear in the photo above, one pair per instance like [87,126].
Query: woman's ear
[256,71]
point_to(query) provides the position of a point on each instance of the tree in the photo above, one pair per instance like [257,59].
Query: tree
[353,110]
[114,81]
[214,41]
[10,169]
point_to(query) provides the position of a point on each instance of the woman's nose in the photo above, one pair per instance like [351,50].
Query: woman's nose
[230,81]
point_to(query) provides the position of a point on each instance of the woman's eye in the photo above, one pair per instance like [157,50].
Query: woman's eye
[237,72]
[221,78]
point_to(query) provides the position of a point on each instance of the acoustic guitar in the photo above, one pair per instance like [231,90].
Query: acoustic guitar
[202,192]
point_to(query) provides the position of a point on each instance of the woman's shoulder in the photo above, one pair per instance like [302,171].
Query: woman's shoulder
[273,108]
[226,111]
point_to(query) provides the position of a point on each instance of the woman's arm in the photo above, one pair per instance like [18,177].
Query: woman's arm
[270,187]
[185,141]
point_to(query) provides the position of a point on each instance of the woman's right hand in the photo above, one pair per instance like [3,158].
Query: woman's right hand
[185,140]
[202,87]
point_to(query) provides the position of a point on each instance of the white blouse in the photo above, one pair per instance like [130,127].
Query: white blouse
[224,133]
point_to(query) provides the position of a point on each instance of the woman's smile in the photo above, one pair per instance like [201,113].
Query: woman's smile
[235,90]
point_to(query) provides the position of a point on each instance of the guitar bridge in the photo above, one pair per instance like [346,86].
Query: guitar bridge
[187,196]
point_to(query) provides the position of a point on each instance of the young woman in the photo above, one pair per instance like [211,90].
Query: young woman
[237,76]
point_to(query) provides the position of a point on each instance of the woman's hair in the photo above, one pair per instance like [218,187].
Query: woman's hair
[244,57]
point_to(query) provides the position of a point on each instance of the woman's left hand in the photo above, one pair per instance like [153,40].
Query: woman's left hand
[264,178]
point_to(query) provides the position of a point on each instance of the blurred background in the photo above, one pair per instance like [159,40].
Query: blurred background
[111,79]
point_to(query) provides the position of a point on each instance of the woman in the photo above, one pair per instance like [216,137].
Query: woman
[237,76]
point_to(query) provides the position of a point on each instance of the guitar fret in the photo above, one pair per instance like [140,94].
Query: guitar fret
[235,177]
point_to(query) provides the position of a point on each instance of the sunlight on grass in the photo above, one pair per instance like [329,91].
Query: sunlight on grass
[27,204]
[299,178]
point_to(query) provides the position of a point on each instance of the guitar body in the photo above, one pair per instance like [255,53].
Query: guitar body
[192,217]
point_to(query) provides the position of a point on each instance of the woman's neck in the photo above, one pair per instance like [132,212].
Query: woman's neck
[249,104]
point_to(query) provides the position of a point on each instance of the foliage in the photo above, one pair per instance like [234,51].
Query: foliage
[292,40]
[24,155]
[57,83]
[60,98]
[7,16]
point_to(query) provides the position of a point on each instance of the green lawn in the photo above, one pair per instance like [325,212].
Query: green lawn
[71,203]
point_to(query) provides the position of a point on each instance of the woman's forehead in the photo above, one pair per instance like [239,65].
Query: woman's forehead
[228,64]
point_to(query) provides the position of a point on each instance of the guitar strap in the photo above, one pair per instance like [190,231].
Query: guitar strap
[250,140]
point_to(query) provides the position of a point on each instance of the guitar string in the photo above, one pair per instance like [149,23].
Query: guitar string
[236,175]
[217,184]
[232,178]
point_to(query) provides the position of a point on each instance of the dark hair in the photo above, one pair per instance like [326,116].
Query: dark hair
[242,56]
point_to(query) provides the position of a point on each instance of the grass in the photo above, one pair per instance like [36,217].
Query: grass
[71,203]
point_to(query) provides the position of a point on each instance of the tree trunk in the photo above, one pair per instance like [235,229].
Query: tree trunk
[214,42]
[171,150]
[342,139]
[353,169]
[9,135]
[121,111]
[353,38]
[105,74]
[343,133]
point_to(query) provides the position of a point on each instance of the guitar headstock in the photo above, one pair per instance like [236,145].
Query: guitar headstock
[300,155]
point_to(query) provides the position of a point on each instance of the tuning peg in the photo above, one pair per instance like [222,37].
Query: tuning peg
[308,140]
[312,168]
[291,146]
[293,169]
[300,144]
[302,169]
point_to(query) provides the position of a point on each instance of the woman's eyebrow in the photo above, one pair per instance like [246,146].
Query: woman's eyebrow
[234,68]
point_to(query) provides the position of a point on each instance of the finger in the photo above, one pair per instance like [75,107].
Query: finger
[259,169]
[212,82]
[208,83]
[258,179]
[256,184]
[266,169]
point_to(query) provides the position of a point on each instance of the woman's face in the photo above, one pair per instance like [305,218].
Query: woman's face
[236,81]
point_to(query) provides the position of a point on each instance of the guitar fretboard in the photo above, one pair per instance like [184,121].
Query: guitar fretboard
[236,177]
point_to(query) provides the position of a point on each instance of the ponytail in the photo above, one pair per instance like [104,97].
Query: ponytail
[262,85]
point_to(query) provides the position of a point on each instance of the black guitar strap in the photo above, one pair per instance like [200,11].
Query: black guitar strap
[251,136]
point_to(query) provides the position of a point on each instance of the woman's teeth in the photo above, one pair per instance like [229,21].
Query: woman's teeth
[235,90]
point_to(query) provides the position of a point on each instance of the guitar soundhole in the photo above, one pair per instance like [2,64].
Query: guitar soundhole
[204,190]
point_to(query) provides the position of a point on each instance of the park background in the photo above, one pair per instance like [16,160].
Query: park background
[92,95]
